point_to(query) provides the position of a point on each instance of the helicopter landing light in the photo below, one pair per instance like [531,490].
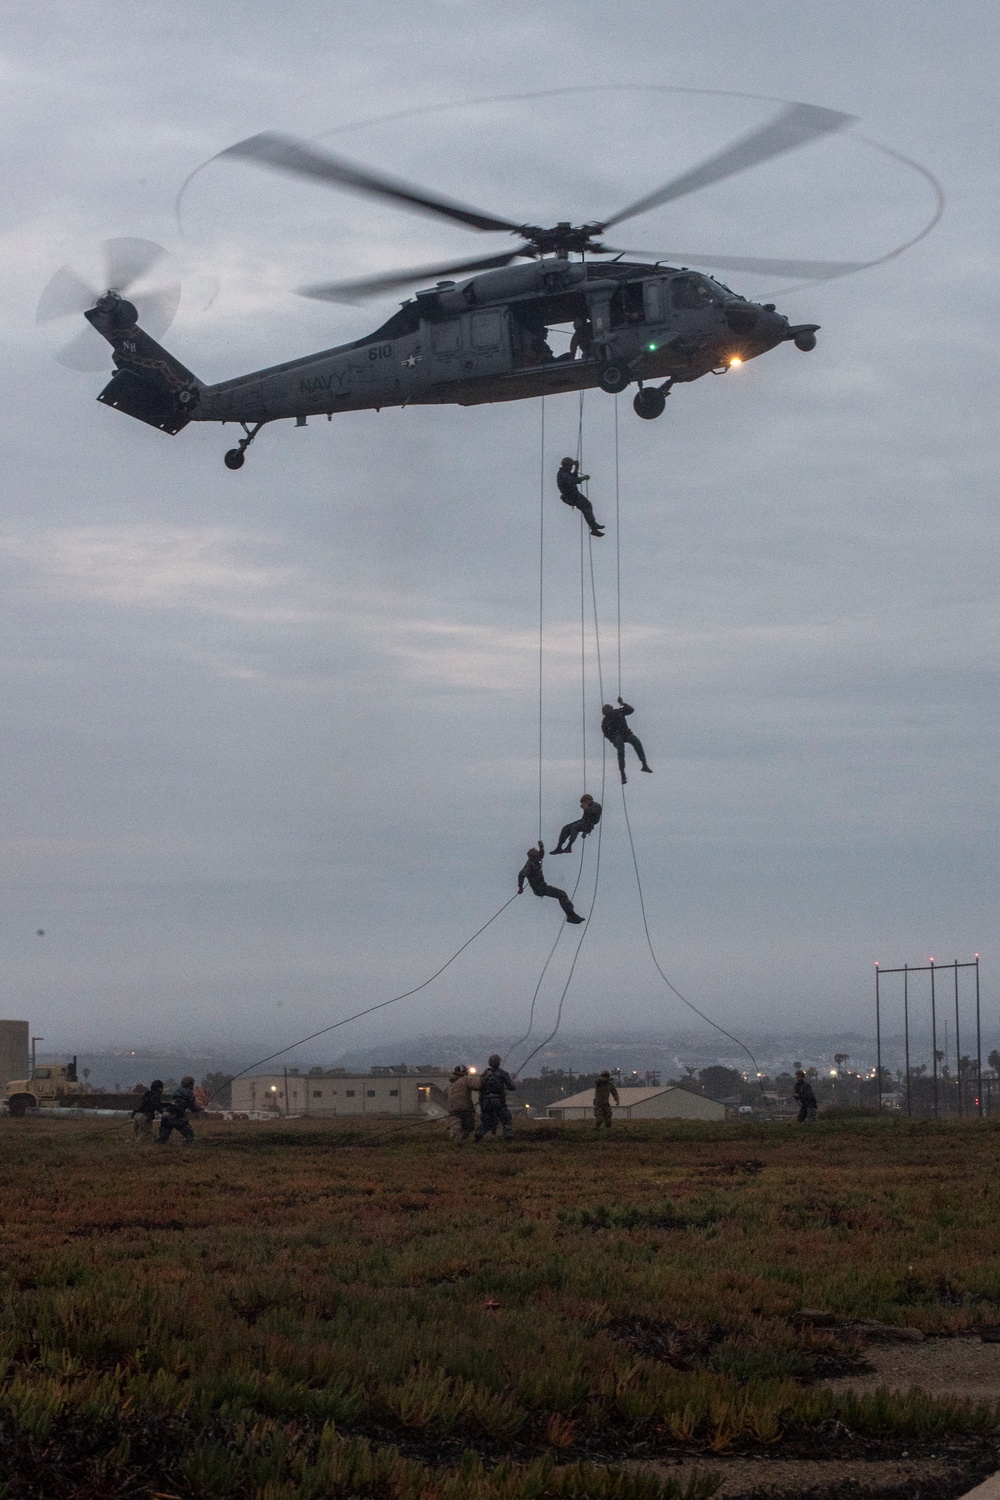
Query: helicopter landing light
[735,361]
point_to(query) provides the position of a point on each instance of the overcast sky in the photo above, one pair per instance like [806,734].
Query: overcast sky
[269,747]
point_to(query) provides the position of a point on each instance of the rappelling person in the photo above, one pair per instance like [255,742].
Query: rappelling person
[586,823]
[494,1086]
[615,729]
[532,873]
[569,480]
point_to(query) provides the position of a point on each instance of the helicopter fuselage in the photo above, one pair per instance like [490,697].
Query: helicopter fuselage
[482,340]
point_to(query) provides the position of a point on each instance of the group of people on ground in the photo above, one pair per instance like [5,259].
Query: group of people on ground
[490,1090]
[173,1110]
[492,1087]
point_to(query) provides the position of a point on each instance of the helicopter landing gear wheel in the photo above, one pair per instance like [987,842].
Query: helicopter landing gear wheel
[613,378]
[236,457]
[805,342]
[649,403]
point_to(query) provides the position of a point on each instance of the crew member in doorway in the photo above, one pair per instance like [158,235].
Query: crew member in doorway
[531,872]
[569,480]
[585,823]
[582,342]
[494,1086]
[615,729]
[803,1095]
[604,1090]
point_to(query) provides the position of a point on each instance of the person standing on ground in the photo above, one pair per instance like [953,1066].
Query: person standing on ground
[494,1086]
[461,1103]
[149,1105]
[176,1107]
[803,1094]
[604,1092]
[531,872]
[569,480]
[615,729]
[585,823]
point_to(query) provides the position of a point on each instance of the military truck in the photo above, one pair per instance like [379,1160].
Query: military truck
[57,1084]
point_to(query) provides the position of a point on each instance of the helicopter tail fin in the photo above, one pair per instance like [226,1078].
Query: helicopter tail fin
[149,383]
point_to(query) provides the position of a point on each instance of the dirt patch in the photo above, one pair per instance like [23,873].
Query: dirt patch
[962,1367]
[816,1479]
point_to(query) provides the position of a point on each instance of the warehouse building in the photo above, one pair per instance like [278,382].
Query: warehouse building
[667,1102]
[393,1094]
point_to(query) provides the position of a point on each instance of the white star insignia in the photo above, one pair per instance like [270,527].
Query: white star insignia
[411,361]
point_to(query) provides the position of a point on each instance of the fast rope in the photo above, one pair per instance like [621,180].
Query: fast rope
[618,552]
[370,1009]
[652,953]
[597,871]
[541,606]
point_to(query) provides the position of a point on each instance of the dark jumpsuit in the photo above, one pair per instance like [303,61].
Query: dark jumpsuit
[493,1089]
[585,823]
[175,1110]
[532,873]
[615,729]
[571,494]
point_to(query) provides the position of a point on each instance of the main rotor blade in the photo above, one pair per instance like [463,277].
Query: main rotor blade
[767,267]
[371,286]
[65,294]
[283,153]
[126,260]
[795,126]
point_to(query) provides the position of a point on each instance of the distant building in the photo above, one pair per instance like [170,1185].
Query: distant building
[14,1058]
[393,1094]
[668,1102]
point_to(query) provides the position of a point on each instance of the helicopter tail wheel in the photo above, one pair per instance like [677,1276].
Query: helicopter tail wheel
[613,378]
[649,403]
[235,458]
[805,342]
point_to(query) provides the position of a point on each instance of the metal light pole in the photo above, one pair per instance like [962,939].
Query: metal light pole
[934,1040]
[906,1033]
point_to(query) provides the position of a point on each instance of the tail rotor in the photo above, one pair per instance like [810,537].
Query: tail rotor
[124,268]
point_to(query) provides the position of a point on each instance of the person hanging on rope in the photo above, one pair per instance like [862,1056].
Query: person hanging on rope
[494,1086]
[615,729]
[532,873]
[569,480]
[585,824]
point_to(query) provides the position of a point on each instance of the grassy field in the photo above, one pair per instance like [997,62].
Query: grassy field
[340,1311]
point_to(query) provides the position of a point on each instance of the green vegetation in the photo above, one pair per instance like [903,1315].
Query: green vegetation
[316,1310]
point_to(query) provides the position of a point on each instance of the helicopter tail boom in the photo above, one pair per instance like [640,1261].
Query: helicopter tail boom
[149,383]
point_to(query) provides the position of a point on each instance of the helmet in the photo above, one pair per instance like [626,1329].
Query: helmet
[606,708]
[605,1074]
[157,1083]
[586,797]
[569,461]
[187,1081]
[495,1059]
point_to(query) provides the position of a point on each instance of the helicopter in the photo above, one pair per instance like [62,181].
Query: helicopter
[480,332]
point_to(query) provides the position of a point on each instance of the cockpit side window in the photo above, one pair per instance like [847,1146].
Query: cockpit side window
[690,292]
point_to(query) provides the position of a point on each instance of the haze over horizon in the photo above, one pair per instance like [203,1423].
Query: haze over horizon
[271,737]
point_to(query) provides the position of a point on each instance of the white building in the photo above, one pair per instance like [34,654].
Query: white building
[414,1094]
[667,1102]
